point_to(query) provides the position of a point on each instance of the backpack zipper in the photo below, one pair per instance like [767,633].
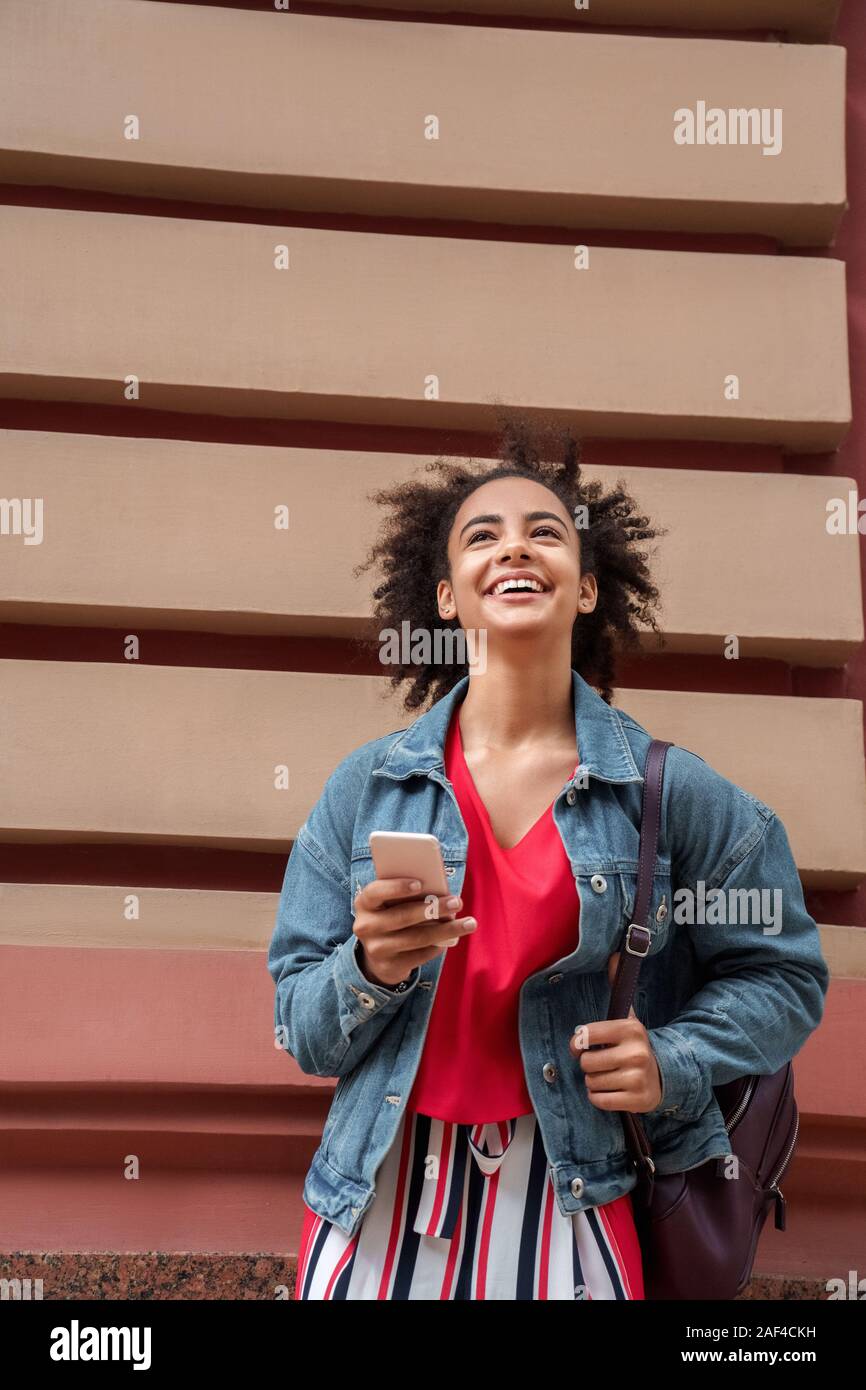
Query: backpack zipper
[740,1108]
[774,1188]
[731,1123]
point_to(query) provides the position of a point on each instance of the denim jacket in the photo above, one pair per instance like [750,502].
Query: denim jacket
[721,996]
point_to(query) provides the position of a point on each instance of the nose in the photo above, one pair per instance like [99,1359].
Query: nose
[513,548]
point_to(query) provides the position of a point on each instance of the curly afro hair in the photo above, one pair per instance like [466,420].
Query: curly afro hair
[411,554]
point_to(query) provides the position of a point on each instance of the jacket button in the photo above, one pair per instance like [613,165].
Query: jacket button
[599,884]
[548,1071]
[367,1001]
[577,1187]
[662,912]
[571,796]
[554,979]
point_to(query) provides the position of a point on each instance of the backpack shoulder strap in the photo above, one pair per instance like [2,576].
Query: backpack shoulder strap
[637,938]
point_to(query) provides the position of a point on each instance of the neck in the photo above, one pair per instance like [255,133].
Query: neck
[517,702]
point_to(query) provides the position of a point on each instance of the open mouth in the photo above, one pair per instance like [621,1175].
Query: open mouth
[515,590]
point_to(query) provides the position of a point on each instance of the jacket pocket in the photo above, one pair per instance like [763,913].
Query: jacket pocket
[361,872]
[343,1086]
[660,913]
[339,1104]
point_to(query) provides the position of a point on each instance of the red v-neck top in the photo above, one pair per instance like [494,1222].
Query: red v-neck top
[526,905]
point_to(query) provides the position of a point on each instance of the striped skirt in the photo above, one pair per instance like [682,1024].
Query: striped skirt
[469,1212]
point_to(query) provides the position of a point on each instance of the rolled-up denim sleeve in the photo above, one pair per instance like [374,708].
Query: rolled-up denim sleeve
[327,1014]
[766,980]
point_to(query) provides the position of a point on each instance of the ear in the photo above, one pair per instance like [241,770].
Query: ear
[587,595]
[445,600]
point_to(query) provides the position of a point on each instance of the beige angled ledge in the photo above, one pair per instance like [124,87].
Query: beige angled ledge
[179,534]
[97,917]
[489,124]
[177,755]
[415,330]
[810,20]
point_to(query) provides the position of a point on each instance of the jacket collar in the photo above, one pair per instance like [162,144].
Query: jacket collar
[602,745]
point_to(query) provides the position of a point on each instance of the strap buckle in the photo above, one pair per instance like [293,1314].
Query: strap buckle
[647,938]
[646,1161]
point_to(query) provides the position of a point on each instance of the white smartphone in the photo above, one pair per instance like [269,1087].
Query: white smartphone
[406,854]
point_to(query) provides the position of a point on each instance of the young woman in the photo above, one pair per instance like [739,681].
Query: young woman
[474,1147]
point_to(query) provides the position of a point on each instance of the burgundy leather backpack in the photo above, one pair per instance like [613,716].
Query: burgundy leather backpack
[699,1229]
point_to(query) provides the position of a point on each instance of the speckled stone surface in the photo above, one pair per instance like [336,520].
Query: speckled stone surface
[154,1275]
[783,1287]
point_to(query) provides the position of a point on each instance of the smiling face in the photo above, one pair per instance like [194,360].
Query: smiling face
[514,554]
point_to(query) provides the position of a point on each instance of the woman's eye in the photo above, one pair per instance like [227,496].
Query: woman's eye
[539,531]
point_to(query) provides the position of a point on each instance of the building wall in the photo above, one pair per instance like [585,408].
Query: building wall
[164,647]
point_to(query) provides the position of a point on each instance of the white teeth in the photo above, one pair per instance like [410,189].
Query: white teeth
[513,585]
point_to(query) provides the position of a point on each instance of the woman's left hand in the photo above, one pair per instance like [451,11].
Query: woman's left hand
[624,1074]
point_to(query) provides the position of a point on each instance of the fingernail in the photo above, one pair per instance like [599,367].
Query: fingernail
[414,884]
[470,924]
[452,902]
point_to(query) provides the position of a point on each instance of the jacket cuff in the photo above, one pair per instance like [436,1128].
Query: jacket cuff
[361,996]
[682,1080]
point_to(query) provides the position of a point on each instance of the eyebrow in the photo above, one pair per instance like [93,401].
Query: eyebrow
[496,519]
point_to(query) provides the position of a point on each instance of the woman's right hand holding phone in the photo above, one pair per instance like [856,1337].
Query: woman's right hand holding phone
[397,935]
